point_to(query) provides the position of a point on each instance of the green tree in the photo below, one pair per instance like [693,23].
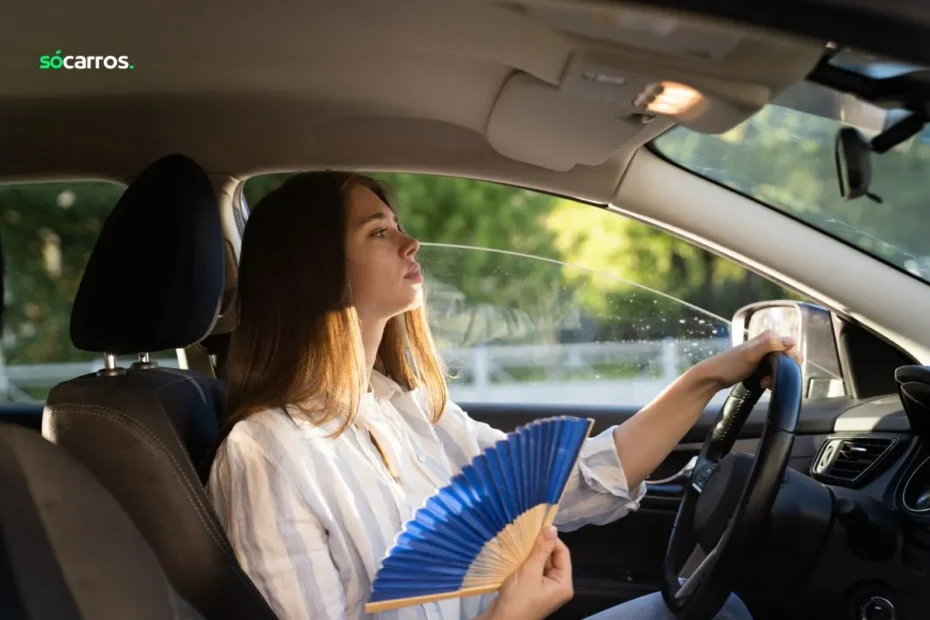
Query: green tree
[48,232]
[633,256]
[784,158]
[443,211]
[459,220]
[446,211]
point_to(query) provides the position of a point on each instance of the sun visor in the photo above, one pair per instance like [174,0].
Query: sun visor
[536,123]
[604,98]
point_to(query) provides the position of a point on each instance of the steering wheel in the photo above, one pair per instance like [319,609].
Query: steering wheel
[728,496]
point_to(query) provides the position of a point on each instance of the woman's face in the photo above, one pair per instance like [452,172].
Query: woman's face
[383,273]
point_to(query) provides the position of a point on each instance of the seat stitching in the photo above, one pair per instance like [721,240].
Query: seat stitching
[135,427]
[181,378]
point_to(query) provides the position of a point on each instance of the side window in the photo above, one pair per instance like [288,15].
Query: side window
[48,231]
[541,300]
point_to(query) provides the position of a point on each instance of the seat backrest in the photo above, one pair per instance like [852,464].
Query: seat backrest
[67,549]
[154,282]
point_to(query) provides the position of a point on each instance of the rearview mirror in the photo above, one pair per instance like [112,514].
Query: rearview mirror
[811,326]
[853,163]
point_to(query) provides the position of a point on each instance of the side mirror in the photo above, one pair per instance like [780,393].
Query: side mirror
[811,326]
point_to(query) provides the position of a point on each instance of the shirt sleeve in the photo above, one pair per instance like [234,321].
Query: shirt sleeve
[278,541]
[596,492]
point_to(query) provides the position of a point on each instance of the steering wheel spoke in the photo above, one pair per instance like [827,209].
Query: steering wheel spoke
[702,473]
[693,582]
[724,507]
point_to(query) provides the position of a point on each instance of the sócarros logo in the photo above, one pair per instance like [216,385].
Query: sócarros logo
[84,63]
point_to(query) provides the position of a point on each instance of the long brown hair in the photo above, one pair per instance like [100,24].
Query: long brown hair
[298,341]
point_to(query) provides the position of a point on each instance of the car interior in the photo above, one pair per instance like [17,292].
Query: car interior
[812,502]
[55,517]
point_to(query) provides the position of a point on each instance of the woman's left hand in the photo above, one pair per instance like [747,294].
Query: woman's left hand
[540,586]
[732,366]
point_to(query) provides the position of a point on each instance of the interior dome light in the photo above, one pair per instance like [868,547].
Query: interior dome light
[668,98]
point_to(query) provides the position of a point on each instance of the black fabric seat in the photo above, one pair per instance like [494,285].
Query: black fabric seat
[154,282]
[67,549]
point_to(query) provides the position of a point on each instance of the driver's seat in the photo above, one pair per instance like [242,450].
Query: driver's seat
[154,282]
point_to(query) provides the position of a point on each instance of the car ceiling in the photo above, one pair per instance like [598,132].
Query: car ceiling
[482,89]
[479,89]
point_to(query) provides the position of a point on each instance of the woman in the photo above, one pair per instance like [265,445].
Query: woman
[339,425]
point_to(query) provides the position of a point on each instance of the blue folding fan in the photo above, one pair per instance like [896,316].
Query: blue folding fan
[472,534]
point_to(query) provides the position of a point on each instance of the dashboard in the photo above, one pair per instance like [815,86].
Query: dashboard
[882,446]
[864,432]
[876,461]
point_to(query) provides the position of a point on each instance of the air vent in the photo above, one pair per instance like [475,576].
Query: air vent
[850,461]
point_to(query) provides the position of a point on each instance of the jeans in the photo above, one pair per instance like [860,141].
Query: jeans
[652,607]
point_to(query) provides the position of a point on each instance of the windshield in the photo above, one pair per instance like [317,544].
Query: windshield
[784,158]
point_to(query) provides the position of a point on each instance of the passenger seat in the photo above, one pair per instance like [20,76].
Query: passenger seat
[67,549]
[154,282]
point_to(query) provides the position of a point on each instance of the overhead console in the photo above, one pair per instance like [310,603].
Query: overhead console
[631,68]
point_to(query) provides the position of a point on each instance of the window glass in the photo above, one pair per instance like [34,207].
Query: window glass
[48,231]
[537,299]
[784,157]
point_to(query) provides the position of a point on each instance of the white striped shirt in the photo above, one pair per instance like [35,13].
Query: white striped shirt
[310,518]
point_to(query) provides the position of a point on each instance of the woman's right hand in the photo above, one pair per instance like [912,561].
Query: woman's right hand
[540,586]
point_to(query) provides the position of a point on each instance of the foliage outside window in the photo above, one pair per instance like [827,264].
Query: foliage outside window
[48,232]
[784,158]
[536,298]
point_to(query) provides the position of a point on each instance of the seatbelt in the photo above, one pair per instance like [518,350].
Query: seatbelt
[30,551]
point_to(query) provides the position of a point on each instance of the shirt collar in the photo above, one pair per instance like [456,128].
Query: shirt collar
[383,386]
[315,429]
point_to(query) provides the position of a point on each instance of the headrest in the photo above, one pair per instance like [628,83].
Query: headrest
[155,278]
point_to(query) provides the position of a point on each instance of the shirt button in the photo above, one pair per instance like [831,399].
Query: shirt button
[421,458]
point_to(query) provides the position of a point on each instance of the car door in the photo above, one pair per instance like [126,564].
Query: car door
[545,357]
[543,306]
[557,356]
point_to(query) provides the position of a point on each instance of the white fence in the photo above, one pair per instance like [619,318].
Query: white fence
[570,372]
[582,373]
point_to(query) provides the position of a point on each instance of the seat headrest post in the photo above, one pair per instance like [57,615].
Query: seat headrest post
[109,366]
[144,362]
